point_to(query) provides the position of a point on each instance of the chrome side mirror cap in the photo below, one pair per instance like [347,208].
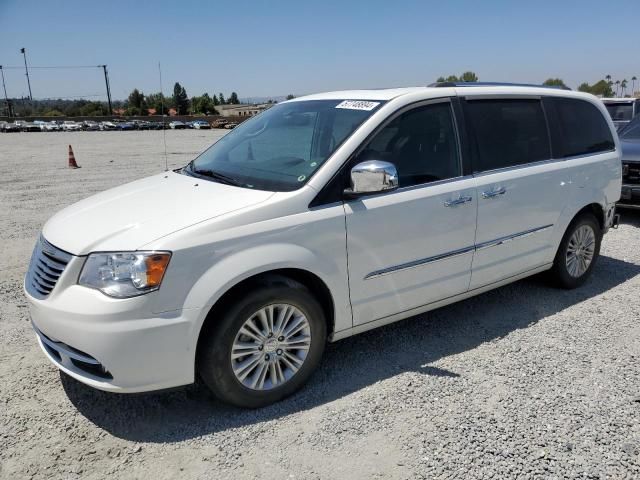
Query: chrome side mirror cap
[373,176]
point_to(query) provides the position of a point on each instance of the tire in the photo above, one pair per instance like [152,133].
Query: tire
[585,234]
[273,377]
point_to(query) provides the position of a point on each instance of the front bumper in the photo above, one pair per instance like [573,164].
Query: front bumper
[114,345]
[630,196]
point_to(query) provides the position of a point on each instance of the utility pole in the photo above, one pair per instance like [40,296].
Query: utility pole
[6,99]
[106,82]
[26,69]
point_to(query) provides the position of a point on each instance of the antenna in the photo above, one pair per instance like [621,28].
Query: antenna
[164,126]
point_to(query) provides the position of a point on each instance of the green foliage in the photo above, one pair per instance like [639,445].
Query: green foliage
[602,88]
[203,104]
[136,103]
[221,99]
[53,113]
[469,77]
[233,99]
[290,97]
[555,82]
[180,99]
[465,77]
[156,101]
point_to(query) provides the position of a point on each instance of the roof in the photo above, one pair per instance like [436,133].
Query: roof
[373,94]
[437,90]
[618,100]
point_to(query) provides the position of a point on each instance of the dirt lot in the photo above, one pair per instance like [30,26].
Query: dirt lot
[525,381]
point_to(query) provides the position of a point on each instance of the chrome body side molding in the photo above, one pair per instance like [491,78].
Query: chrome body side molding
[455,253]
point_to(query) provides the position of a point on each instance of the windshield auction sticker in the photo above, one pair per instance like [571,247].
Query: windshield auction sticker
[358,105]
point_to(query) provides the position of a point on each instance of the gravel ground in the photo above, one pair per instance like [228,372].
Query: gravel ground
[525,381]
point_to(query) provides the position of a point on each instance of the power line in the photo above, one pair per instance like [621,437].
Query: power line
[54,66]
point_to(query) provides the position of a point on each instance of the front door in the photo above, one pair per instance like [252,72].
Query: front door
[413,246]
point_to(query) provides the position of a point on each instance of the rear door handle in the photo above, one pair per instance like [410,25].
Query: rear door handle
[494,193]
[457,201]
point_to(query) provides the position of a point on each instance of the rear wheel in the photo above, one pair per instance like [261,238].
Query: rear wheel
[578,252]
[265,346]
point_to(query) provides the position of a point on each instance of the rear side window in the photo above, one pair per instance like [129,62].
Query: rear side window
[508,132]
[582,129]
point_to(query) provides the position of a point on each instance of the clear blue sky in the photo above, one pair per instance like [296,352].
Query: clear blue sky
[270,48]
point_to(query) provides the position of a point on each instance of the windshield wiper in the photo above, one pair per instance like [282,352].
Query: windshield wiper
[215,175]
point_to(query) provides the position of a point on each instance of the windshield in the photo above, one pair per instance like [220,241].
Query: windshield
[280,149]
[632,130]
[620,111]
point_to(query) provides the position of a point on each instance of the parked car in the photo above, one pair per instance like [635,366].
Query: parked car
[51,126]
[219,123]
[201,125]
[622,110]
[177,125]
[230,125]
[630,145]
[120,125]
[71,126]
[27,126]
[9,127]
[90,125]
[240,266]
[107,125]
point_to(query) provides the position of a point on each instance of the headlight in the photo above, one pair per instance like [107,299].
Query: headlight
[124,274]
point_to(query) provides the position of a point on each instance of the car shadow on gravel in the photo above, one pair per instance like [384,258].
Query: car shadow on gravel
[629,216]
[351,364]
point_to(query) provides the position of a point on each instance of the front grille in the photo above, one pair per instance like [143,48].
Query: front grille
[47,264]
[630,173]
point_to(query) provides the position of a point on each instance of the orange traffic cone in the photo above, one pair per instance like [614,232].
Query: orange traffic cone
[72,159]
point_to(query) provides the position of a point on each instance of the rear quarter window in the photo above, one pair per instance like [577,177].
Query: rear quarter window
[581,128]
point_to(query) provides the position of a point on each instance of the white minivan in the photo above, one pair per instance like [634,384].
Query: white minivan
[321,218]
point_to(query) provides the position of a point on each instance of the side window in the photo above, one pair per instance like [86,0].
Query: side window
[582,128]
[421,143]
[508,132]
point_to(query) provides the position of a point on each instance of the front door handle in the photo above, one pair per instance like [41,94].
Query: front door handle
[457,201]
[494,193]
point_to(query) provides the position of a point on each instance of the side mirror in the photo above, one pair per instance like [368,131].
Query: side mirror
[373,176]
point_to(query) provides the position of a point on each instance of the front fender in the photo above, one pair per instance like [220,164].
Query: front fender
[241,265]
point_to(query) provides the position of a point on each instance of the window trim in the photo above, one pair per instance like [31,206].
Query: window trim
[327,197]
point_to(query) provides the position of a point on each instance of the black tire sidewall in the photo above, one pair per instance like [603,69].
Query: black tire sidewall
[561,274]
[214,356]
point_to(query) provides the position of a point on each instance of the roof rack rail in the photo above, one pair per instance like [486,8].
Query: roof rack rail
[493,84]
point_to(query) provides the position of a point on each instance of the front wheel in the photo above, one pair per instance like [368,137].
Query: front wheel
[578,252]
[265,346]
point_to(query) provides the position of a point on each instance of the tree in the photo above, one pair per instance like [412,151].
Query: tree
[452,78]
[623,86]
[156,101]
[617,86]
[469,77]
[180,99]
[601,88]
[440,79]
[290,97]
[203,104]
[633,85]
[221,99]
[233,99]
[555,82]
[136,104]
[584,87]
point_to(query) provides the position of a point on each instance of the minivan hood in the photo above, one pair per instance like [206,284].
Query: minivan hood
[132,215]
